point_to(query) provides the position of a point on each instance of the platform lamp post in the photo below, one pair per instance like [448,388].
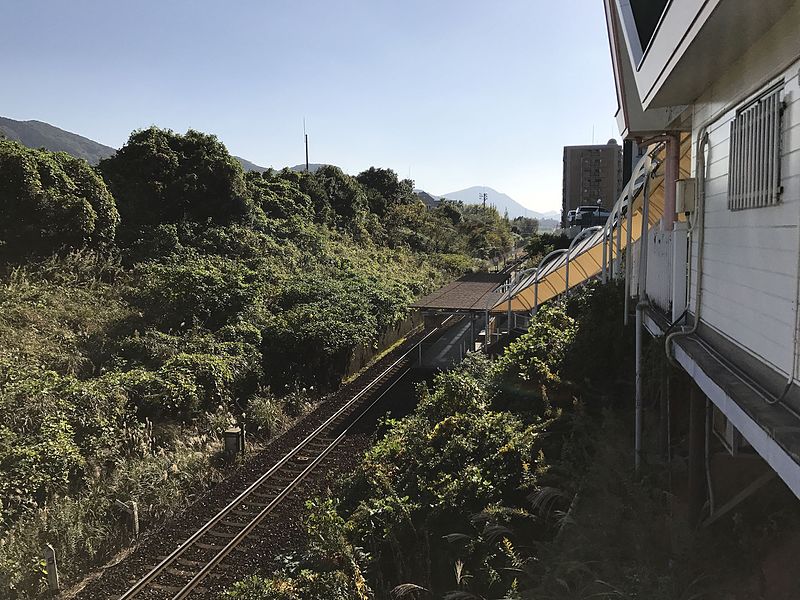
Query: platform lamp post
[575,240]
[545,260]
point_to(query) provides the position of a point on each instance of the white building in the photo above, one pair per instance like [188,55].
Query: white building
[722,77]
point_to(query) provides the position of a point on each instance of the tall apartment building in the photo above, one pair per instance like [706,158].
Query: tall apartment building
[590,173]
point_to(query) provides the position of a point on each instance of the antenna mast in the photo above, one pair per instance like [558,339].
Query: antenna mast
[305,135]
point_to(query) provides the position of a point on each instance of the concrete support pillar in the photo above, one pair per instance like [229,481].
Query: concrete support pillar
[697,444]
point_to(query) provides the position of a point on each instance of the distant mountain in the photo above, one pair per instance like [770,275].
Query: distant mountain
[503,202]
[312,167]
[428,199]
[36,134]
[248,166]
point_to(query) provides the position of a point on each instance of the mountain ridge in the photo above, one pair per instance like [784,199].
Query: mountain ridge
[503,202]
[38,134]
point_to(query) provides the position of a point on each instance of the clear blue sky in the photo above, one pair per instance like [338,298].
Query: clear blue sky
[456,92]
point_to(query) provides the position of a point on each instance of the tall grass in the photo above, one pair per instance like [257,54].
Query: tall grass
[87,527]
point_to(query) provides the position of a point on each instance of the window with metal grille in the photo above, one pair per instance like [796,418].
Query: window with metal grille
[754,173]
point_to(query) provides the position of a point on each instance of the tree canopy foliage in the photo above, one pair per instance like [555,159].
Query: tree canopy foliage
[161,177]
[51,202]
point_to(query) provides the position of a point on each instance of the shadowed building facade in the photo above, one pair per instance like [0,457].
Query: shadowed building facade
[590,173]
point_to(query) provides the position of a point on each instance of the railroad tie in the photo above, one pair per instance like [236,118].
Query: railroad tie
[187,562]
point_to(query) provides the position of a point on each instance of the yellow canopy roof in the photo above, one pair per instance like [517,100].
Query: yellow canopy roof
[586,258]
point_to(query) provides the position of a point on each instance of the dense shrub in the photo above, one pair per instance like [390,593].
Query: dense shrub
[50,201]
[603,306]
[385,190]
[337,572]
[344,195]
[59,316]
[460,495]
[433,470]
[86,527]
[193,289]
[280,199]
[161,177]
[536,357]
[54,429]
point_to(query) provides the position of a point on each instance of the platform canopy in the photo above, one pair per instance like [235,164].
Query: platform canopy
[586,258]
[474,292]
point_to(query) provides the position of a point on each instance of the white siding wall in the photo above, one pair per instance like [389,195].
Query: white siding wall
[659,268]
[749,278]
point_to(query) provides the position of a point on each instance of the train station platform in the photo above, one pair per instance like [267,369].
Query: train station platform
[450,348]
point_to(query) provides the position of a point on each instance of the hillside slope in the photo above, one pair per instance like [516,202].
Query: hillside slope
[37,134]
[503,202]
[249,166]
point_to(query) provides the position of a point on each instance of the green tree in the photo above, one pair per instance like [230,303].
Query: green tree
[541,244]
[488,234]
[385,189]
[160,176]
[50,201]
[345,196]
[280,198]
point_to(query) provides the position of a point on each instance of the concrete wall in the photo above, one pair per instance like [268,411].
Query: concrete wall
[750,265]
[362,355]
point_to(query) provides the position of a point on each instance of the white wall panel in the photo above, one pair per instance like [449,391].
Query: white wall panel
[749,277]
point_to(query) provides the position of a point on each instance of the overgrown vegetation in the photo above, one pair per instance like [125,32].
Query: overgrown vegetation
[541,244]
[454,500]
[148,303]
[513,479]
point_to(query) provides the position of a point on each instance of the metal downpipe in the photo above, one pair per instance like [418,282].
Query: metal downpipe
[699,228]
[510,287]
[618,259]
[707,461]
[672,170]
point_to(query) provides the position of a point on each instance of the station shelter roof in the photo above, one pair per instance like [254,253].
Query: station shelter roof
[472,292]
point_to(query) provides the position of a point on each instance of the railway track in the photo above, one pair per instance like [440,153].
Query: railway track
[185,570]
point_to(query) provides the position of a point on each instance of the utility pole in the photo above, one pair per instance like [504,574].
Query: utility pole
[305,135]
[483,196]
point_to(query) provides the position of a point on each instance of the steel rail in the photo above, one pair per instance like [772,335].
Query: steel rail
[170,559]
[290,487]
